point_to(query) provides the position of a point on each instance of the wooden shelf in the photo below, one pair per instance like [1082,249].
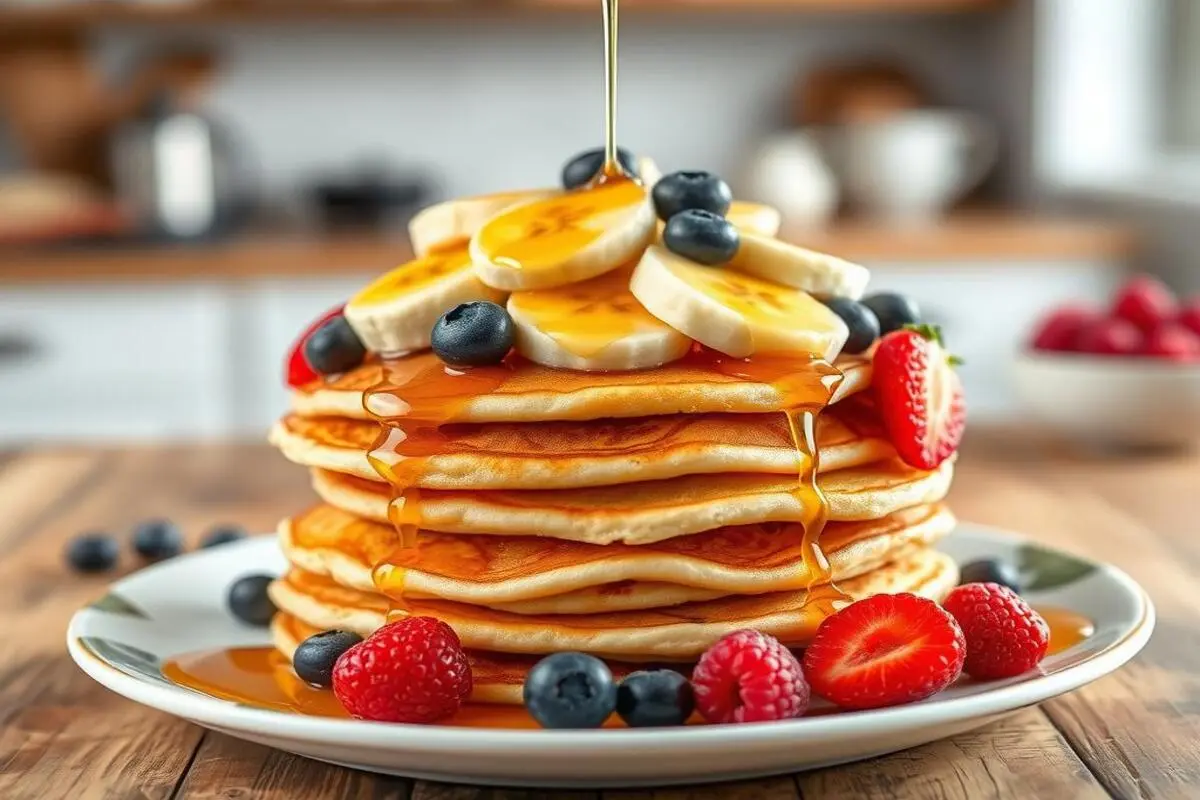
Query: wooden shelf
[973,237]
[23,19]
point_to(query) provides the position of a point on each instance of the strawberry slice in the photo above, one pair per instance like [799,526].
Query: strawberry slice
[919,395]
[299,373]
[883,651]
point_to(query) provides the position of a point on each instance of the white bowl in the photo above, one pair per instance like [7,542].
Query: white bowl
[1110,400]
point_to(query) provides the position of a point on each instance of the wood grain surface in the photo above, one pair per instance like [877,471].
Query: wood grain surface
[1135,734]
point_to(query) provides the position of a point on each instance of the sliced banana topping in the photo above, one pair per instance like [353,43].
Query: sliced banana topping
[734,313]
[648,172]
[459,219]
[815,273]
[396,313]
[595,325]
[754,218]
[564,239]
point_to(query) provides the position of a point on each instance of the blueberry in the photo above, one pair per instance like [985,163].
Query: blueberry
[475,334]
[585,166]
[681,191]
[863,325]
[570,690]
[893,311]
[314,658]
[249,601]
[991,570]
[157,539]
[223,534]
[93,552]
[655,699]
[702,236]
[334,347]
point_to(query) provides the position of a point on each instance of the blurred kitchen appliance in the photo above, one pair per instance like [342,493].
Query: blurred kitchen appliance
[370,196]
[788,171]
[175,172]
[910,167]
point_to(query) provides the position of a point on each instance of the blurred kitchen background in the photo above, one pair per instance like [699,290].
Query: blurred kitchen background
[185,184]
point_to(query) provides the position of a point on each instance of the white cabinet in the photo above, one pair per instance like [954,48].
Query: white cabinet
[98,363]
[129,361]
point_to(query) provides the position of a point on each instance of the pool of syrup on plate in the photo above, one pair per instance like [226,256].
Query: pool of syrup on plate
[262,677]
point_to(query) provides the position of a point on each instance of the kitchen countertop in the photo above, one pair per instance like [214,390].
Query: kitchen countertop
[965,236]
[1130,735]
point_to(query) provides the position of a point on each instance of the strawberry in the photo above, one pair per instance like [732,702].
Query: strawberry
[920,395]
[1174,342]
[883,651]
[1190,316]
[299,372]
[1059,332]
[1111,337]
[1145,301]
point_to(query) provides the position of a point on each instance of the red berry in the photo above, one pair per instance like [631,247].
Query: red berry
[1111,337]
[885,650]
[299,373]
[1060,331]
[749,677]
[1190,316]
[411,670]
[920,396]
[1005,637]
[1145,301]
[1173,341]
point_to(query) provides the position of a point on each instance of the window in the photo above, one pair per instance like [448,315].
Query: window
[1181,123]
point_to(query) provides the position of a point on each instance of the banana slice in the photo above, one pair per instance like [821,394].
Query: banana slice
[813,272]
[564,239]
[459,219]
[734,313]
[648,172]
[596,325]
[396,313]
[754,218]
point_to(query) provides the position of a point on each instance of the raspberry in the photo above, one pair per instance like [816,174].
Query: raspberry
[1005,637]
[883,651]
[411,670]
[749,677]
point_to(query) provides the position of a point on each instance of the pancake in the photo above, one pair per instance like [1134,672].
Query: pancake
[643,513]
[566,455]
[496,677]
[678,633]
[566,577]
[533,393]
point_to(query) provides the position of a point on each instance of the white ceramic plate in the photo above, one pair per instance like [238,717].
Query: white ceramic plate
[179,607]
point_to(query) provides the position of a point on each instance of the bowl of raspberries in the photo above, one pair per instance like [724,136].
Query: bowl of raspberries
[1125,375]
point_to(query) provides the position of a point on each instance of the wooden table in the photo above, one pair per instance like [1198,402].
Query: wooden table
[1135,734]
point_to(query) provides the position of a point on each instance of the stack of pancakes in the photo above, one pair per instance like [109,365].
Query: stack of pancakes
[635,516]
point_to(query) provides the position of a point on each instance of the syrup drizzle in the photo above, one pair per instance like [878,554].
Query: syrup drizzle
[413,404]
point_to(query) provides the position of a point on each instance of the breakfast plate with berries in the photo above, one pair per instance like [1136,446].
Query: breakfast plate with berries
[886,673]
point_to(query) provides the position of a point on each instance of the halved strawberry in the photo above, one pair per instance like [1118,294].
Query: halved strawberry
[883,651]
[299,372]
[919,395]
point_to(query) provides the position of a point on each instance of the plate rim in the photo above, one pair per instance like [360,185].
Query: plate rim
[211,711]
